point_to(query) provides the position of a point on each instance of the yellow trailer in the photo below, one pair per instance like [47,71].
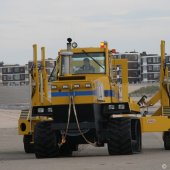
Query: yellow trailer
[159,121]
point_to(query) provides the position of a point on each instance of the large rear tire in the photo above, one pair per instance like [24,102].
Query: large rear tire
[166,139]
[45,141]
[28,145]
[123,138]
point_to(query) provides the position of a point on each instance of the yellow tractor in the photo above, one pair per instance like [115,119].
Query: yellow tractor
[81,103]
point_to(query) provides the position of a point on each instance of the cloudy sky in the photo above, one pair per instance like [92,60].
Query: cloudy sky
[125,24]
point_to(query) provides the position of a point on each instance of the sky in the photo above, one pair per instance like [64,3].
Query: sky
[126,25]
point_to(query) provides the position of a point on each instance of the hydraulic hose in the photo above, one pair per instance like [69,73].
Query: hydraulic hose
[71,102]
[68,121]
[78,125]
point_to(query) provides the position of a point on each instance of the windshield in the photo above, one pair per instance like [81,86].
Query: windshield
[84,63]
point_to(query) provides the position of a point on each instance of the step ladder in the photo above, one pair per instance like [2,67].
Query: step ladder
[24,114]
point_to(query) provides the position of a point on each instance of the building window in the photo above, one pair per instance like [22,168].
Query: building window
[156,76]
[150,68]
[22,70]
[16,70]
[4,70]
[9,77]
[149,60]
[132,57]
[4,78]
[10,70]
[133,73]
[22,76]
[16,77]
[156,59]
[150,76]
[156,68]
[132,65]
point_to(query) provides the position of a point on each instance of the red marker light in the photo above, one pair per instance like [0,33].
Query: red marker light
[114,51]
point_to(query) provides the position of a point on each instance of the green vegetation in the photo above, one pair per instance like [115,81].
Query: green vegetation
[148,91]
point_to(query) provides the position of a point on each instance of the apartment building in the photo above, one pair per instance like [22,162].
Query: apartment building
[150,67]
[142,68]
[14,75]
[18,75]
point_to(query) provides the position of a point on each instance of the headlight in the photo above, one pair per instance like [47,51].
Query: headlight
[65,86]
[111,107]
[76,85]
[53,87]
[121,106]
[88,85]
[40,110]
[50,109]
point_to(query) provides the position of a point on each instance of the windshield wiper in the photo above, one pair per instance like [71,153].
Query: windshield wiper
[92,59]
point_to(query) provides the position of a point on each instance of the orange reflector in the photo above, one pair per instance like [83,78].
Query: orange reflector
[102,45]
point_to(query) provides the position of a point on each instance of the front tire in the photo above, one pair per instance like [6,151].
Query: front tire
[123,137]
[45,141]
